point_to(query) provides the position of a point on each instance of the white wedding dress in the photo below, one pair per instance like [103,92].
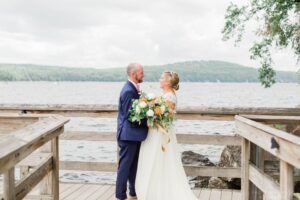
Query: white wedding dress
[160,174]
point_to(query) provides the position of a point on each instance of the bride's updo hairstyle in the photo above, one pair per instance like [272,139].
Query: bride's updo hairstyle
[173,78]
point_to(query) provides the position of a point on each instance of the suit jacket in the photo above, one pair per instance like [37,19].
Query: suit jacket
[127,130]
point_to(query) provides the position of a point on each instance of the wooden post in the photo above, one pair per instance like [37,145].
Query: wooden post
[45,185]
[260,162]
[9,185]
[286,181]
[24,171]
[55,170]
[245,169]
[50,184]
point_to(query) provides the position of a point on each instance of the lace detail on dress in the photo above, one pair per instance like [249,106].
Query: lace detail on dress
[170,96]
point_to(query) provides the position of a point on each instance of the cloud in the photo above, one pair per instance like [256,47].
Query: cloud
[107,33]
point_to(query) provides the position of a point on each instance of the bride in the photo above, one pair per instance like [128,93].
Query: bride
[160,174]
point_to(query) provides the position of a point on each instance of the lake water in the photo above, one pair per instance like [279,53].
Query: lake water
[190,94]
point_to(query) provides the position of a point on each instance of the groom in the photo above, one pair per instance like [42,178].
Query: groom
[129,135]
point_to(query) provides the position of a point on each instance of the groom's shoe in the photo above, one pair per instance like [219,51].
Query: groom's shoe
[132,197]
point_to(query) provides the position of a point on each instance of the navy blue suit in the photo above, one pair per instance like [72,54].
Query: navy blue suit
[129,137]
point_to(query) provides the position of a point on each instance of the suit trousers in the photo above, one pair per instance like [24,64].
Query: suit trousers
[127,168]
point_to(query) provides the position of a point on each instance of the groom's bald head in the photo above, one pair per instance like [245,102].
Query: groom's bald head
[133,67]
[135,72]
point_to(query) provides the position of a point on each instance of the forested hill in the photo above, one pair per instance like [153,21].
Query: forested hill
[193,71]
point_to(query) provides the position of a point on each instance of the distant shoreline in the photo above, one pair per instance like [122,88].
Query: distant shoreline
[191,71]
[182,82]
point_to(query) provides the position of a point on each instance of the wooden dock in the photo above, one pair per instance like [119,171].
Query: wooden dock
[107,192]
[77,191]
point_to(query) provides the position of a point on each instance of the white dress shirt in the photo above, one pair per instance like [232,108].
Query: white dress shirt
[137,86]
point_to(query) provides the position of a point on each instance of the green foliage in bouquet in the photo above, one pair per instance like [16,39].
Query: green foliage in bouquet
[155,109]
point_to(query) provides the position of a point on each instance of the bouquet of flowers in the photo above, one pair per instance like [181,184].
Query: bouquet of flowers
[155,109]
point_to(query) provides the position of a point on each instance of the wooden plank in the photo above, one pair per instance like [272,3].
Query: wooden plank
[88,136]
[70,191]
[78,193]
[226,195]
[9,192]
[215,194]
[241,110]
[55,169]
[25,185]
[88,166]
[38,197]
[182,138]
[18,145]
[272,119]
[286,181]
[209,139]
[91,189]
[108,194]
[64,186]
[66,189]
[205,194]
[245,169]
[236,195]
[61,107]
[9,124]
[34,159]
[96,109]
[230,172]
[273,131]
[45,187]
[264,182]
[261,136]
[204,116]
[21,116]
[99,192]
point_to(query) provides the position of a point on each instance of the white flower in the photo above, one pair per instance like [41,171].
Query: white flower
[150,113]
[150,96]
[163,108]
[137,109]
[142,104]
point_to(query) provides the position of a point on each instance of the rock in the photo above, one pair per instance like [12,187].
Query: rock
[215,182]
[231,157]
[192,158]
[195,159]
[233,183]
[200,181]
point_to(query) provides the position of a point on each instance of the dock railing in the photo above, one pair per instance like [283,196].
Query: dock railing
[20,137]
[261,137]
[188,113]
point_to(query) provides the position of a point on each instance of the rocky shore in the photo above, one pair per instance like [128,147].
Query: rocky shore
[230,157]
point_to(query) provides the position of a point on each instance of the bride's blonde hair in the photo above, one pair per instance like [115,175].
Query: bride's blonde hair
[174,79]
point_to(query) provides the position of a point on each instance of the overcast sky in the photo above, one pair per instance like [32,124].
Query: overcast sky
[112,33]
